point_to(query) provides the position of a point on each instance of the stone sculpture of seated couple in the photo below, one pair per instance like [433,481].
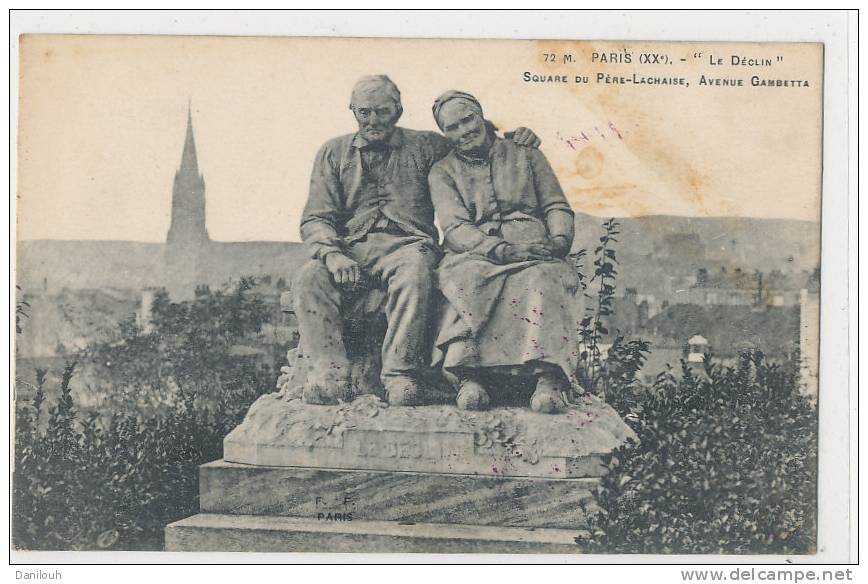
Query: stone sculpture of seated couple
[507,228]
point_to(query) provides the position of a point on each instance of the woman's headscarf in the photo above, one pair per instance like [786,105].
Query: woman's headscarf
[449,96]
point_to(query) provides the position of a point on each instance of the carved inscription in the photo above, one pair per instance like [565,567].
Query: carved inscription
[399,445]
[409,446]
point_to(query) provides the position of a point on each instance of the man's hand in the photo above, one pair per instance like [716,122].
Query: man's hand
[521,252]
[524,137]
[345,271]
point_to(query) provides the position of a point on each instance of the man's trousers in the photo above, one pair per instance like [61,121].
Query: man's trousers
[404,267]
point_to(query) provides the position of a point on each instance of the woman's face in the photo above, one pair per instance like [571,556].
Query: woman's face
[463,125]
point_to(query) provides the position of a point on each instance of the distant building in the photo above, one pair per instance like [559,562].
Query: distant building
[144,314]
[188,235]
[729,288]
[697,347]
[739,287]
[809,343]
[65,323]
[192,261]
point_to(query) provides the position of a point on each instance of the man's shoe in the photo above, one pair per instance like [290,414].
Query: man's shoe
[402,391]
[547,397]
[325,395]
[472,396]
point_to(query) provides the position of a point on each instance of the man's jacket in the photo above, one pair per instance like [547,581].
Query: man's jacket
[346,201]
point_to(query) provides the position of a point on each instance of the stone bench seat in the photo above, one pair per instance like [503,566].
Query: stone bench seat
[363,332]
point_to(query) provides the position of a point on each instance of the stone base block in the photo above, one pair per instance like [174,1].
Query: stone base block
[332,494]
[254,533]
[366,434]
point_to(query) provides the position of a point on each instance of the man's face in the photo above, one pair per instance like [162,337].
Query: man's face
[377,115]
[463,125]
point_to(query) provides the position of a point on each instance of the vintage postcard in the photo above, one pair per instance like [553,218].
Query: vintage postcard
[417,295]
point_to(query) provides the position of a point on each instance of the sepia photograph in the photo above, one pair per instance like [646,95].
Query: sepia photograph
[417,295]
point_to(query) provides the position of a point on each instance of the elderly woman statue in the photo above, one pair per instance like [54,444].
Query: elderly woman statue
[511,310]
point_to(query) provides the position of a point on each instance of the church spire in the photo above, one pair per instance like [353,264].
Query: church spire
[188,194]
[188,234]
[189,162]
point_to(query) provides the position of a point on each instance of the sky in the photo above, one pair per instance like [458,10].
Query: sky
[102,121]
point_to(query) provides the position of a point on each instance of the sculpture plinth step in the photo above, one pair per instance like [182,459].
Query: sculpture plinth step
[256,533]
[366,434]
[335,494]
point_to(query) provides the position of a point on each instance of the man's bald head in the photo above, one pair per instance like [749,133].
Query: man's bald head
[371,86]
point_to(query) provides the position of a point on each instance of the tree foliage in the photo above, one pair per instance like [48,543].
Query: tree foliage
[726,462]
[113,481]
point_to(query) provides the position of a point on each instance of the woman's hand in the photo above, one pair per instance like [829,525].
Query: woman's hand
[521,252]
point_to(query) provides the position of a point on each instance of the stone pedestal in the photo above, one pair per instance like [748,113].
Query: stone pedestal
[248,533]
[366,477]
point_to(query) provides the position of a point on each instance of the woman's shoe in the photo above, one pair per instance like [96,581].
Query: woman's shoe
[547,397]
[472,396]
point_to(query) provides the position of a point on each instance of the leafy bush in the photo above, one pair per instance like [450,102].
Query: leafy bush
[613,375]
[726,460]
[115,481]
[592,326]
[726,463]
[185,350]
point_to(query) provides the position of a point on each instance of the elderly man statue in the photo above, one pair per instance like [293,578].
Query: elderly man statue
[369,223]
